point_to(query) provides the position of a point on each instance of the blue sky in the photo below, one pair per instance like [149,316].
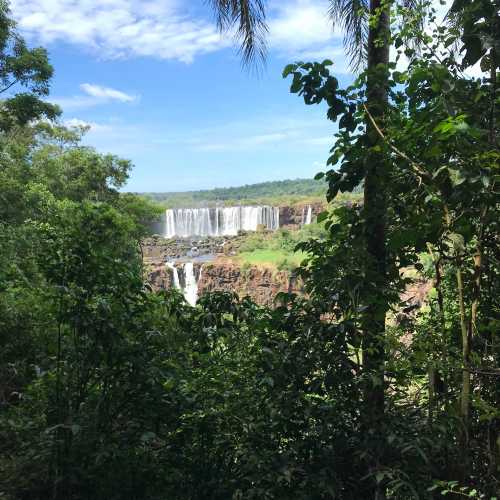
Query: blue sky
[158,85]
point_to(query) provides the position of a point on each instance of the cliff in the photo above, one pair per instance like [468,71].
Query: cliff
[260,283]
[293,216]
[160,277]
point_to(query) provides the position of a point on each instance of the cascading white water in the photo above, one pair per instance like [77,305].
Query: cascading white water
[306,215]
[175,275]
[218,221]
[309,215]
[189,286]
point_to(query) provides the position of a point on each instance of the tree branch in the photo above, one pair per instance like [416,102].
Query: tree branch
[8,86]
[420,171]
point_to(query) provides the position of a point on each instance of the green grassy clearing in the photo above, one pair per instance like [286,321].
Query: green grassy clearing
[279,259]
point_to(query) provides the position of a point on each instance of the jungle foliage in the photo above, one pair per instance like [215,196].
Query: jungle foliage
[273,193]
[111,391]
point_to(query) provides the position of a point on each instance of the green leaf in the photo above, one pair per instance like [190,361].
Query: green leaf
[289,68]
[322,216]
[296,83]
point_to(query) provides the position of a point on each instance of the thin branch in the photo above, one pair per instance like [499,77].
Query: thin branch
[8,86]
[491,371]
[421,172]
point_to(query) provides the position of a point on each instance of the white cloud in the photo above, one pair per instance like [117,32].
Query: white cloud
[92,126]
[242,143]
[171,29]
[95,95]
[302,30]
[167,29]
[76,122]
[106,93]
[120,28]
[299,25]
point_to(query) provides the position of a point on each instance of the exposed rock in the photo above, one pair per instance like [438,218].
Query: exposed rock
[260,283]
[293,216]
[159,249]
[413,299]
[159,276]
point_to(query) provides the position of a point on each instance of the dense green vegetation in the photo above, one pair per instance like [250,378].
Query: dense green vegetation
[109,391]
[271,193]
[277,249]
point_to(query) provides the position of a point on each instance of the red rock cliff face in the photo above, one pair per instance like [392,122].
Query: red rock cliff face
[260,283]
[292,216]
[160,276]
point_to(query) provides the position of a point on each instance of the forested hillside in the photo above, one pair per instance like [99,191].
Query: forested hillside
[273,193]
[352,390]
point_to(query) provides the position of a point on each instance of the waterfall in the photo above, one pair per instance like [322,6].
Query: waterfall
[188,285]
[191,285]
[219,221]
[307,216]
[175,275]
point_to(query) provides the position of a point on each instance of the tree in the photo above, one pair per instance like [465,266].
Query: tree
[479,25]
[355,18]
[26,68]
[367,32]
[442,200]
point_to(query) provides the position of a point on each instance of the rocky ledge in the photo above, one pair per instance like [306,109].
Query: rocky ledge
[261,284]
[293,216]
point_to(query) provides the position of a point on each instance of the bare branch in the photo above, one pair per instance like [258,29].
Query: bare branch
[420,170]
[8,86]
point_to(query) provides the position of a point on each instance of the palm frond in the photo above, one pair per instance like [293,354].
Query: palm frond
[248,17]
[352,17]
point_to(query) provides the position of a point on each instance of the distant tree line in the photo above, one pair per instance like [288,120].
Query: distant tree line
[274,191]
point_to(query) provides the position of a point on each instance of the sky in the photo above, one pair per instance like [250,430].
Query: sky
[158,85]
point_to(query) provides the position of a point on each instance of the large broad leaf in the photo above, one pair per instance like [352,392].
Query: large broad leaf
[474,50]
[289,69]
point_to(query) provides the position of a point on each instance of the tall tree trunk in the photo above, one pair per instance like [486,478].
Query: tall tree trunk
[466,389]
[375,229]
[437,384]
[494,426]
